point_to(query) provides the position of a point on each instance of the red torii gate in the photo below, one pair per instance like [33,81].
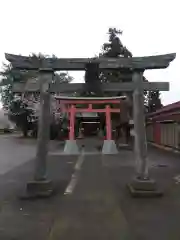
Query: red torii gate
[68,105]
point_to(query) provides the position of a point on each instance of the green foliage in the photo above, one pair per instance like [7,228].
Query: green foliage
[62,77]
[114,48]
[9,75]
[6,94]
[154,101]
[20,114]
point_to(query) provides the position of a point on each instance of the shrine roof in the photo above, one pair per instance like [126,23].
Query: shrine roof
[170,108]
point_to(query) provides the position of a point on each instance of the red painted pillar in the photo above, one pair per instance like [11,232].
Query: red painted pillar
[158,133]
[90,107]
[108,123]
[154,131]
[72,122]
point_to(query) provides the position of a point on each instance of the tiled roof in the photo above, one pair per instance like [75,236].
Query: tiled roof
[168,108]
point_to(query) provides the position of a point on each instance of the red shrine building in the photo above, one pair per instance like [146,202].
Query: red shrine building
[163,126]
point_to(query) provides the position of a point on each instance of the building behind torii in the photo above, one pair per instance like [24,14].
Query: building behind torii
[163,126]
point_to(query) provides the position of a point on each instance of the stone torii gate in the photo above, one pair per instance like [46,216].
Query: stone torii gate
[141,185]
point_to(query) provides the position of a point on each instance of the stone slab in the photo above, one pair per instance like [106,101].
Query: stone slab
[38,189]
[144,185]
[71,147]
[143,193]
[109,147]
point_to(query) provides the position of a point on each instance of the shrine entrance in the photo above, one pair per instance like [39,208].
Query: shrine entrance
[142,184]
[74,105]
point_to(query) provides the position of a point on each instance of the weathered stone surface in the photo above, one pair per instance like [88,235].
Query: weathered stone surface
[109,147]
[146,185]
[71,147]
[149,62]
[36,189]
[105,87]
[143,193]
[144,188]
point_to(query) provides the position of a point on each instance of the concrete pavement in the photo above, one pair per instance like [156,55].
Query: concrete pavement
[31,219]
[15,150]
[98,205]
[91,211]
[149,218]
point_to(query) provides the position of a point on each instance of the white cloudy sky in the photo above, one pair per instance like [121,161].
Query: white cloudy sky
[77,28]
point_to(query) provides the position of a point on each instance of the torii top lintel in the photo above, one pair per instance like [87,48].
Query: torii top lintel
[139,63]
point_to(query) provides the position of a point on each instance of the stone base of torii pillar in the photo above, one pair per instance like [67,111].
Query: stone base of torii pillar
[144,188]
[71,147]
[37,189]
[109,147]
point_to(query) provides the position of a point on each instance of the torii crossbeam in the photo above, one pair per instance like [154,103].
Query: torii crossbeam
[77,64]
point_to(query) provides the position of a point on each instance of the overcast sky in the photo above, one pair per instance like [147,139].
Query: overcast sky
[77,28]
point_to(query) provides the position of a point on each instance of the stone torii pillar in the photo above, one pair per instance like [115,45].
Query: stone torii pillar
[142,185]
[41,186]
[140,146]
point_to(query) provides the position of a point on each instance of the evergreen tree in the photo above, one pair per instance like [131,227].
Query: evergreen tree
[114,48]
[154,101]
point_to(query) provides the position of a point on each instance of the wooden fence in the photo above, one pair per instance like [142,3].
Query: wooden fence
[166,133]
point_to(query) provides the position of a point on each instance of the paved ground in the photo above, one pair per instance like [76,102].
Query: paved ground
[16,150]
[149,218]
[91,200]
